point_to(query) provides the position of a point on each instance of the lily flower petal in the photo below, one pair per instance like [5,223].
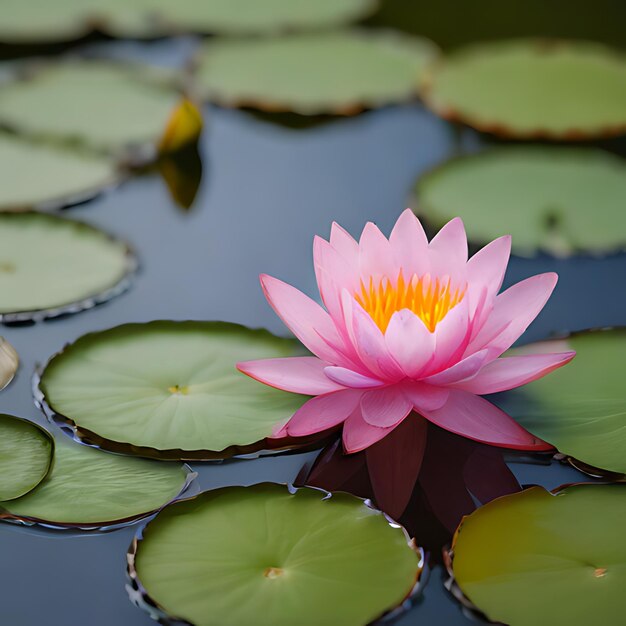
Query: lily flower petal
[368,341]
[344,243]
[474,417]
[306,319]
[513,312]
[461,370]
[425,397]
[513,371]
[375,256]
[384,407]
[410,245]
[448,248]
[410,343]
[298,374]
[349,378]
[323,412]
[486,270]
[358,434]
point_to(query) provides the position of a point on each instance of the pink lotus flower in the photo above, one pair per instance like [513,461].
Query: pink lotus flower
[408,326]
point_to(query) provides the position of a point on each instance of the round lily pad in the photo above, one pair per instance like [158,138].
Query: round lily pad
[559,200]
[169,390]
[44,176]
[41,21]
[339,72]
[25,456]
[51,265]
[102,105]
[533,88]
[290,556]
[581,408]
[540,558]
[88,488]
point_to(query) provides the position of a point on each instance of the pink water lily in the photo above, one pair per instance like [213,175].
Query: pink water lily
[408,325]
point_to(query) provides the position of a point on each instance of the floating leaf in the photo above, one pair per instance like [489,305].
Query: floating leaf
[51,265]
[337,72]
[537,558]
[44,176]
[25,456]
[102,105]
[87,488]
[533,88]
[9,362]
[560,200]
[63,20]
[169,390]
[581,408]
[293,557]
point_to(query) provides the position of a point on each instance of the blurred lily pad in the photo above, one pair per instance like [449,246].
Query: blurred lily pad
[34,21]
[581,408]
[169,389]
[25,456]
[51,265]
[339,72]
[105,106]
[46,176]
[537,558]
[87,488]
[533,89]
[239,554]
[9,362]
[559,200]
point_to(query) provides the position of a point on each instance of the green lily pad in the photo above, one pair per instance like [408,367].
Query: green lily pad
[105,106]
[51,265]
[581,408]
[560,200]
[25,456]
[300,557]
[169,390]
[533,88]
[63,20]
[87,488]
[38,175]
[537,558]
[339,72]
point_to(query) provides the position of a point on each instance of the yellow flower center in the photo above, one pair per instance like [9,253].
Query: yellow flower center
[430,299]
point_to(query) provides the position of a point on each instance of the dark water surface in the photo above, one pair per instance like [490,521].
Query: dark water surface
[266,191]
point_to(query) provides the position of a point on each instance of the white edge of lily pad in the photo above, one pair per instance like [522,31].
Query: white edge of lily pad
[140,597]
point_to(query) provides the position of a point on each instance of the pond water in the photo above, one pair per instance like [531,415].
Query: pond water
[266,190]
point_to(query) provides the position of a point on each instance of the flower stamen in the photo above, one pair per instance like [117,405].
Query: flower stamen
[430,299]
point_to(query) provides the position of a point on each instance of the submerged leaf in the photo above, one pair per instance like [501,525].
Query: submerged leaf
[238,555]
